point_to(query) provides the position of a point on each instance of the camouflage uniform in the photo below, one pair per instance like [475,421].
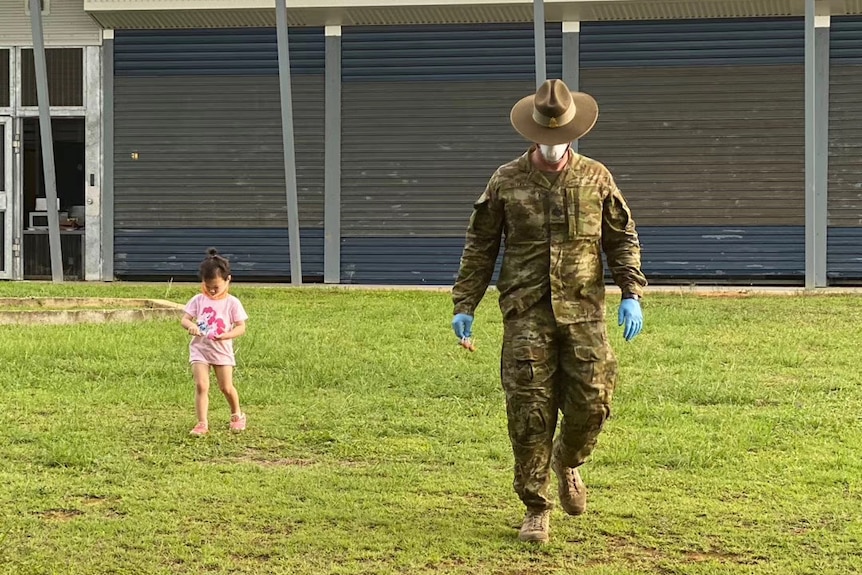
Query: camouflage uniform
[556,355]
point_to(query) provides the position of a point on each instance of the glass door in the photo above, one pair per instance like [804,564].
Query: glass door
[5,197]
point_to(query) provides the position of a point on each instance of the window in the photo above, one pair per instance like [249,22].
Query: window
[2,162]
[65,77]
[5,97]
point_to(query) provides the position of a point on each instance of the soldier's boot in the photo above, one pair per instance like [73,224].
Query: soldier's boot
[572,490]
[536,526]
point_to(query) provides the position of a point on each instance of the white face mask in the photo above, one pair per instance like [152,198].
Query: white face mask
[555,153]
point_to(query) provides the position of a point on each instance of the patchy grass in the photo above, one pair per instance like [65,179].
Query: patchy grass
[377,445]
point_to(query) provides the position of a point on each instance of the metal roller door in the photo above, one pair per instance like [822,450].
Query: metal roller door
[425,112]
[198,151]
[844,238]
[702,124]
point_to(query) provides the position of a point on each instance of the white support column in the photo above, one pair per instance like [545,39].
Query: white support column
[93,172]
[539,39]
[17,198]
[17,167]
[289,143]
[817,22]
[107,211]
[332,153]
[572,59]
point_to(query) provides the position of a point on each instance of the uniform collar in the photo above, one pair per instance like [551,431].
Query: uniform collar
[525,164]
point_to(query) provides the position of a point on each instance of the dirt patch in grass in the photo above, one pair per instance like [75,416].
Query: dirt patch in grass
[60,514]
[634,553]
[717,556]
[270,459]
[91,500]
[280,462]
[727,294]
[632,550]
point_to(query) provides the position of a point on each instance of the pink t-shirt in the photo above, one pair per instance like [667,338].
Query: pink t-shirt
[214,316]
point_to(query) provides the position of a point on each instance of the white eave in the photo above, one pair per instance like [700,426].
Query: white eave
[143,14]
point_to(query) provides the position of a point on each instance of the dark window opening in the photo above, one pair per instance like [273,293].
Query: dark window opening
[69,158]
[5,83]
[65,77]
[69,165]
[3,153]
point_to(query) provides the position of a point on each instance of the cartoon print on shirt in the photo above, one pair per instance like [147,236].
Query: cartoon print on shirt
[209,324]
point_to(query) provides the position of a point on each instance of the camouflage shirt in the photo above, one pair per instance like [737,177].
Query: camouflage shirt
[554,235]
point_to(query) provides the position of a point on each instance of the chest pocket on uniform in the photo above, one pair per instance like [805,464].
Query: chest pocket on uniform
[584,205]
[525,214]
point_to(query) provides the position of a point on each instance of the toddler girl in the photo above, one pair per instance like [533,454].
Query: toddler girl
[214,318]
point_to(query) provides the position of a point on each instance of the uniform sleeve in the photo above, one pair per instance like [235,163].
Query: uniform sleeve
[620,241]
[481,247]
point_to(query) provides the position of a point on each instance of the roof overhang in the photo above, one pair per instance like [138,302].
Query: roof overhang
[143,14]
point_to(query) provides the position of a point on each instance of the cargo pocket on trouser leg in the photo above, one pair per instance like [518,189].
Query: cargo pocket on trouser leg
[587,382]
[529,395]
[532,418]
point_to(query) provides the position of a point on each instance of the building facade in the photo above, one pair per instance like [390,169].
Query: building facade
[173,143]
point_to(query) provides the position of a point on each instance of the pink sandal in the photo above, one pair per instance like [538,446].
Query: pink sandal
[237,422]
[200,429]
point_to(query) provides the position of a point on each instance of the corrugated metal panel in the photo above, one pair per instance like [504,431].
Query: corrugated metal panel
[845,149]
[432,261]
[210,17]
[693,43]
[66,24]
[711,140]
[844,258]
[640,10]
[845,41]
[197,150]
[262,253]
[189,19]
[415,156]
[697,145]
[713,253]
[416,153]
[209,149]
[706,145]
[850,7]
[447,14]
[205,13]
[444,53]
[727,254]
[845,124]
[245,52]
[365,16]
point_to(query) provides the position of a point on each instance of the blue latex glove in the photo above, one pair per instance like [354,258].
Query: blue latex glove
[462,324]
[632,316]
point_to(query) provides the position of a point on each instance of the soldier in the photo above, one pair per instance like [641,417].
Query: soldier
[558,211]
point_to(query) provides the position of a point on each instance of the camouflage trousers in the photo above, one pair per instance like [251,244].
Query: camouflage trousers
[548,369]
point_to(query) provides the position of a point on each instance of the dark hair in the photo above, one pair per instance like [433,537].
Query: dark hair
[214,266]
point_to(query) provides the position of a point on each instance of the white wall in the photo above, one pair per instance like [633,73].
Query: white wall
[65,24]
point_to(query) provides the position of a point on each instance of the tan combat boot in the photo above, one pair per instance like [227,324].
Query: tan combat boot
[573,492]
[535,527]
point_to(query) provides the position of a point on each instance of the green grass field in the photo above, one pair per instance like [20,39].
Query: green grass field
[377,445]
